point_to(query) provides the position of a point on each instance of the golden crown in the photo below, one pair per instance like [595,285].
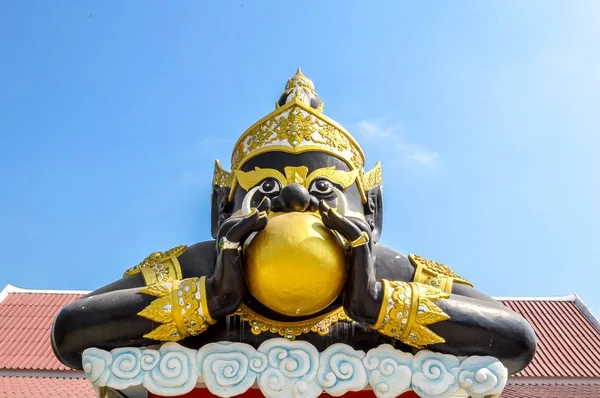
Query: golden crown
[298,125]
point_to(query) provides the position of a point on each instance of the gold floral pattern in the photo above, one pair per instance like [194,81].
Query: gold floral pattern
[180,308]
[407,309]
[297,127]
[290,330]
[221,177]
[432,272]
[372,178]
[159,267]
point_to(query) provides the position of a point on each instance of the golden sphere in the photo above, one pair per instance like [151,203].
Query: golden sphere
[296,266]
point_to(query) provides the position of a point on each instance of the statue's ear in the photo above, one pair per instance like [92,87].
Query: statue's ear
[219,202]
[373,208]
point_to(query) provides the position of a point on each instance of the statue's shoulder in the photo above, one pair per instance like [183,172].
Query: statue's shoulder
[434,273]
[391,264]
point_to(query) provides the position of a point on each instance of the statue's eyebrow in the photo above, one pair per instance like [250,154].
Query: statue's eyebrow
[249,179]
[340,177]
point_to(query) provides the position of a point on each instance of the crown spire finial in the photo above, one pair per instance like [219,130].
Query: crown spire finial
[301,88]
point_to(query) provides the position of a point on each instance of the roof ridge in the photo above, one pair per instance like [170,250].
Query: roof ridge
[586,312]
[10,289]
[570,297]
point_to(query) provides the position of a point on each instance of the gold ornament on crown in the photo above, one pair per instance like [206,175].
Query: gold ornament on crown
[221,177]
[294,127]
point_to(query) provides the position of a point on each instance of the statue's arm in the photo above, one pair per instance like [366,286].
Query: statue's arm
[381,292]
[477,324]
[463,321]
[108,317]
[484,327]
[105,320]
[472,323]
[168,297]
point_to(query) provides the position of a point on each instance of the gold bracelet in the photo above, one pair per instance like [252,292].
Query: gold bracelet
[435,274]
[407,309]
[427,277]
[225,244]
[363,239]
[159,267]
[181,308]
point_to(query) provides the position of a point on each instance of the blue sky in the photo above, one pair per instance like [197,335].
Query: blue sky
[485,116]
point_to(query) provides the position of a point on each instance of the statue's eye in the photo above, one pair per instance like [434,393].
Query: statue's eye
[321,187]
[269,186]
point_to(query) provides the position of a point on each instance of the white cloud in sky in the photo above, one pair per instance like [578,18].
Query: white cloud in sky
[391,137]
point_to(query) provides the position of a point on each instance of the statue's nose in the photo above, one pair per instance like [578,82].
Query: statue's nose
[294,197]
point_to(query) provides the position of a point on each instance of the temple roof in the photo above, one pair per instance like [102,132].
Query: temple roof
[551,391]
[47,387]
[568,337]
[566,363]
[26,318]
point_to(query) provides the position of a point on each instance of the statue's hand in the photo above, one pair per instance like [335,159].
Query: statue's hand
[362,294]
[227,287]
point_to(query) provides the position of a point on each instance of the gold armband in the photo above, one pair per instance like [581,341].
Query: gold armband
[407,309]
[181,307]
[159,267]
[435,274]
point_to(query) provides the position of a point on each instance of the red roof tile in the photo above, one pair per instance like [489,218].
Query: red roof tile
[47,387]
[25,323]
[552,391]
[568,342]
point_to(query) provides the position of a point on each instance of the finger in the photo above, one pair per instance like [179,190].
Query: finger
[323,207]
[265,205]
[261,223]
[324,211]
[243,228]
[334,220]
[362,224]
[343,225]
[226,226]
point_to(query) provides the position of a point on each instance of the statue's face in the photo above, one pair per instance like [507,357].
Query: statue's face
[297,183]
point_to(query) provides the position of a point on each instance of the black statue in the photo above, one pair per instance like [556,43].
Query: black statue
[295,254]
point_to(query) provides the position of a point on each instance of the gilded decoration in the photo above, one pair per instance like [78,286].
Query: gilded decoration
[406,311]
[296,127]
[295,175]
[435,274]
[300,87]
[372,178]
[180,307]
[290,330]
[159,267]
[294,287]
[222,177]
